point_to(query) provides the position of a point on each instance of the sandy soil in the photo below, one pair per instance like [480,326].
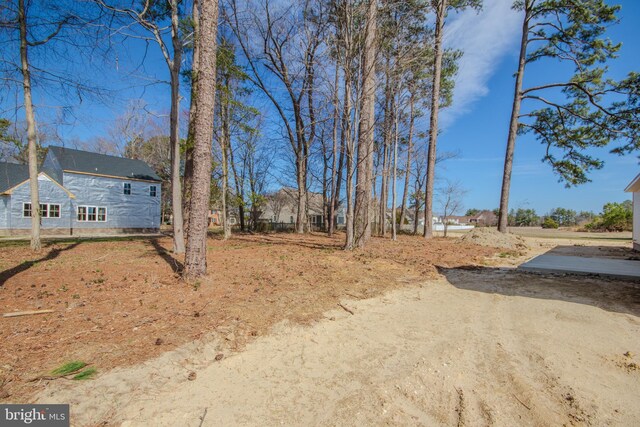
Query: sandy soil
[442,333]
[482,346]
[119,302]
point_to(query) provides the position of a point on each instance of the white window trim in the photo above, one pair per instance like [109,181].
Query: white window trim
[59,210]
[155,191]
[24,205]
[48,205]
[98,214]
[86,213]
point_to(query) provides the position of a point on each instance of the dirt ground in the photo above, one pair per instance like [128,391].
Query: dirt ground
[119,302]
[438,333]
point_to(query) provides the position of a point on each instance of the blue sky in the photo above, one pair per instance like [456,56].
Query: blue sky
[478,122]
[476,125]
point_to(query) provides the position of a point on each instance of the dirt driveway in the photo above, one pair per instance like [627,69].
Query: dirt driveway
[479,346]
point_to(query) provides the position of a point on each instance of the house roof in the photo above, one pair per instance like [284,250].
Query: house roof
[12,174]
[103,165]
[634,185]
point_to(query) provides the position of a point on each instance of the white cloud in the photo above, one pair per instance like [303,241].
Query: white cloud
[485,38]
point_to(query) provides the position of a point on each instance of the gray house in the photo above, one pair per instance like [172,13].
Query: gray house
[82,193]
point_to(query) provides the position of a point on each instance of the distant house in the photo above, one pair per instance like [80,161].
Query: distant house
[81,193]
[634,187]
[485,218]
[454,220]
[434,219]
[215,217]
[282,207]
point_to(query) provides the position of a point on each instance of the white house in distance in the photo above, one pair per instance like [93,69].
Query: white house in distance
[634,187]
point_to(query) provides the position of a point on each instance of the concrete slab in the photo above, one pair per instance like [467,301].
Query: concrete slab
[626,269]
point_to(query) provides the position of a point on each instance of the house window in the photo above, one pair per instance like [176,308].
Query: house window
[152,191]
[291,219]
[47,210]
[82,213]
[340,220]
[54,211]
[127,188]
[313,219]
[92,214]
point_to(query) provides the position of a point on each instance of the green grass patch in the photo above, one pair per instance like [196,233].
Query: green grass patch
[87,374]
[75,368]
[68,368]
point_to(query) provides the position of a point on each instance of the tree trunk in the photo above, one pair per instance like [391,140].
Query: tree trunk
[176,185]
[225,188]
[433,123]
[407,171]
[362,219]
[349,148]
[188,152]
[334,153]
[239,190]
[302,194]
[196,253]
[31,131]
[325,188]
[503,216]
[416,212]
[225,148]
[394,211]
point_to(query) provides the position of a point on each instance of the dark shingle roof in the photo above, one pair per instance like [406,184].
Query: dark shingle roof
[12,174]
[100,164]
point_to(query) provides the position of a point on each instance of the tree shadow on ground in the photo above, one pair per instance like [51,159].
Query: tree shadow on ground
[610,294]
[175,265]
[309,240]
[53,253]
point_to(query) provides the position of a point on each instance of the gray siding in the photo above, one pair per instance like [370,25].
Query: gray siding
[4,211]
[51,167]
[137,210]
[50,192]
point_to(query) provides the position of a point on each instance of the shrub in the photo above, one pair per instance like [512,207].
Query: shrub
[549,223]
[615,217]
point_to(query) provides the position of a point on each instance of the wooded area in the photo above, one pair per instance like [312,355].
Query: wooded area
[345,85]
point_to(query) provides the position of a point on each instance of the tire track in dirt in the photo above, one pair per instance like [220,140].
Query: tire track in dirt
[466,351]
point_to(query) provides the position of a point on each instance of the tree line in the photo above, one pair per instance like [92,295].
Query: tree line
[613,217]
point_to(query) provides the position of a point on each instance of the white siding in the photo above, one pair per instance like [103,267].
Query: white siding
[636,219]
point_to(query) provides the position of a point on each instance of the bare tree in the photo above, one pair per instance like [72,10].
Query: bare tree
[149,18]
[346,16]
[54,29]
[451,201]
[362,219]
[196,251]
[31,128]
[290,39]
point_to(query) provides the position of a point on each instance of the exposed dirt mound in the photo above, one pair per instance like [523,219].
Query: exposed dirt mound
[486,236]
